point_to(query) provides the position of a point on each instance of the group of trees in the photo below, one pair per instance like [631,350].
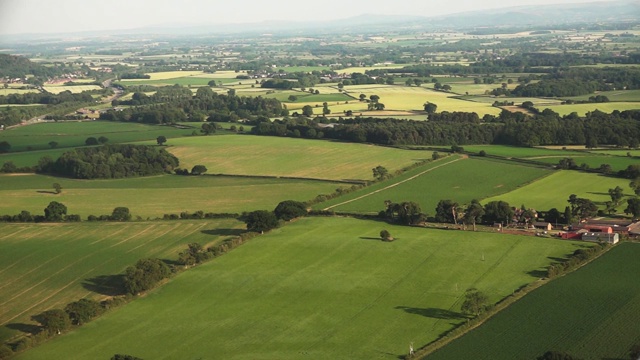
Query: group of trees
[145,275]
[547,128]
[110,162]
[45,98]
[263,220]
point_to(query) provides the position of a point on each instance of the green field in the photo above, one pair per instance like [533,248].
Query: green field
[582,109]
[50,265]
[154,196]
[30,158]
[591,314]
[74,133]
[318,288]
[520,152]
[554,190]
[617,95]
[276,156]
[457,179]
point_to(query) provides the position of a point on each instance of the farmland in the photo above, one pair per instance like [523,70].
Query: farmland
[49,265]
[70,134]
[457,179]
[554,190]
[153,197]
[252,155]
[325,288]
[582,109]
[585,313]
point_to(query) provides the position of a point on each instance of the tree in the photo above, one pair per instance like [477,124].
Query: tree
[103,140]
[475,302]
[198,170]
[161,140]
[54,321]
[124,357]
[635,185]
[633,207]
[362,97]
[374,98]
[83,310]
[553,216]
[568,218]
[584,208]
[211,83]
[290,209]
[474,213]
[261,221]
[307,110]
[91,141]
[208,129]
[385,235]
[407,213]
[57,188]
[380,173]
[55,211]
[497,212]
[120,214]
[616,195]
[144,275]
[293,98]
[634,352]
[447,211]
[557,355]
[53,144]
[430,107]
[9,167]
[4,147]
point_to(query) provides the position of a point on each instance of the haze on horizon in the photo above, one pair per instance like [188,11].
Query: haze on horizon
[62,16]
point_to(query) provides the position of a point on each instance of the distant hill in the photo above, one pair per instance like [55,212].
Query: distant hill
[18,67]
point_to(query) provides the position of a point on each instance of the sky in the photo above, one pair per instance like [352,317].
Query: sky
[55,16]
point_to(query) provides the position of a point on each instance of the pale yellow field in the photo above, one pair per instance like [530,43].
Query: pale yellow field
[74,89]
[218,74]
[9,91]
[170,75]
[358,69]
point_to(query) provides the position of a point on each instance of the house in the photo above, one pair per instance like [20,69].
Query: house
[543,226]
[611,238]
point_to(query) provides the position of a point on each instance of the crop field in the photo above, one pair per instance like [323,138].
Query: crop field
[590,314]
[452,178]
[50,265]
[620,152]
[274,156]
[515,100]
[413,98]
[582,109]
[9,91]
[152,197]
[521,152]
[74,133]
[317,288]
[554,190]
[76,89]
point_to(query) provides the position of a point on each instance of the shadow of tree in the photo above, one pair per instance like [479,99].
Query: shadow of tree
[223,232]
[25,328]
[110,285]
[370,238]
[538,273]
[433,313]
[46,192]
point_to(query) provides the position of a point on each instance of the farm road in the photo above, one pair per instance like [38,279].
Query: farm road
[396,184]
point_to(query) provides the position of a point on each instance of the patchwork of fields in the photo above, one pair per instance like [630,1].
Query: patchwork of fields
[591,314]
[318,288]
[50,265]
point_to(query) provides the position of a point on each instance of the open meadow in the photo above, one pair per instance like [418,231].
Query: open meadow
[318,288]
[586,314]
[452,178]
[50,265]
[582,109]
[151,197]
[277,156]
[554,190]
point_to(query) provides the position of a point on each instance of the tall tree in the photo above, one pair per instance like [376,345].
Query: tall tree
[475,302]
[633,207]
[616,195]
[54,321]
[261,221]
[474,213]
[55,211]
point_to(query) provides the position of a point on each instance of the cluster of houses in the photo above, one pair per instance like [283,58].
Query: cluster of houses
[608,231]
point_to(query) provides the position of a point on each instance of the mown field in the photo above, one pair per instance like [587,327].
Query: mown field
[152,197]
[582,109]
[76,89]
[452,178]
[593,160]
[318,288]
[74,133]
[50,265]
[591,314]
[554,190]
[521,152]
[276,156]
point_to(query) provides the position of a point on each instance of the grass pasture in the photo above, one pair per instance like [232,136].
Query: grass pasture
[616,95]
[453,178]
[554,190]
[9,91]
[50,265]
[591,314]
[154,196]
[594,161]
[318,288]
[521,152]
[274,156]
[582,109]
[74,133]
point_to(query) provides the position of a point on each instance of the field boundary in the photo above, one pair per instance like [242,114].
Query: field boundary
[394,185]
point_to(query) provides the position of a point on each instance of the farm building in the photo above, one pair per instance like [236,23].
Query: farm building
[543,226]
[610,238]
[617,226]
[592,228]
